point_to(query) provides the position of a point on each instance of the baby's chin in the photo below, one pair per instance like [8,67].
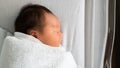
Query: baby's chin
[53,45]
[58,45]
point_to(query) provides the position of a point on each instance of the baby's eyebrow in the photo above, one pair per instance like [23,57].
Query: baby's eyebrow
[53,25]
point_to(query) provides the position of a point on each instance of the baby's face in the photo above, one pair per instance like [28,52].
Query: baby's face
[51,33]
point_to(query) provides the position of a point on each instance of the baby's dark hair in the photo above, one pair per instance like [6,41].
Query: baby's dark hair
[30,16]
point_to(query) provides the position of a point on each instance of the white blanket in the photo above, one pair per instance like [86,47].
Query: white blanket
[25,51]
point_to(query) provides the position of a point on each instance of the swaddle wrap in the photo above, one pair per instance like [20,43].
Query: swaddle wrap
[25,51]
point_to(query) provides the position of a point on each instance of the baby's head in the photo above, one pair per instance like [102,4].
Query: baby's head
[40,22]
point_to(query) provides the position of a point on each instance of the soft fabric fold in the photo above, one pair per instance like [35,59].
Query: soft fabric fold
[25,51]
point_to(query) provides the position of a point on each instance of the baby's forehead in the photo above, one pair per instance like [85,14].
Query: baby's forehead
[51,19]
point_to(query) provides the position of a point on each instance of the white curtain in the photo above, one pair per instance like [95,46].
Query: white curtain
[96,29]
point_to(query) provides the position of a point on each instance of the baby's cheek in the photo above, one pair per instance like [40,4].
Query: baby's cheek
[59,38]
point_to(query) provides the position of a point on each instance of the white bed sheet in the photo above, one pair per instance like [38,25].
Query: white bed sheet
[70,13]
[3,34]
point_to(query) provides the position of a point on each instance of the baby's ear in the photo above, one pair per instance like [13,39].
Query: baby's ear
[34,33]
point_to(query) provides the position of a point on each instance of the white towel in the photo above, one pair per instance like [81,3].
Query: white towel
[25,51]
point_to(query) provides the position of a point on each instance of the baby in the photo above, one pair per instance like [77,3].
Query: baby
[36,41]
[41,23]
